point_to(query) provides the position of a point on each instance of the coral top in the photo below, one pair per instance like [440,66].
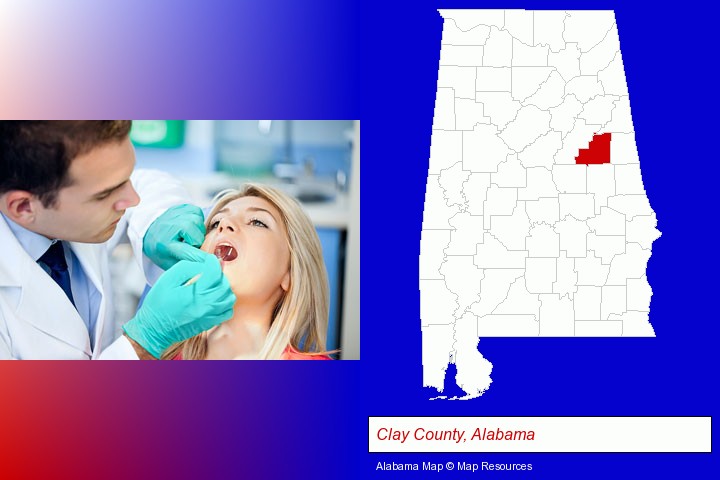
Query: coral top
[289,354]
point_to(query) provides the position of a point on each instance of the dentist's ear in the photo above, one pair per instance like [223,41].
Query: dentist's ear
[19,206]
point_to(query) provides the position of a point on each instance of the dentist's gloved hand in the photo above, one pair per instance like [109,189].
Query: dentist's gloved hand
[173,312]
[175,235]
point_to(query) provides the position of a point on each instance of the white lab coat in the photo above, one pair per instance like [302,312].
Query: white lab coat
[37,320]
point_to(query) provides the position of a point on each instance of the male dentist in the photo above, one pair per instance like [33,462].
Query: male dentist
[68,196]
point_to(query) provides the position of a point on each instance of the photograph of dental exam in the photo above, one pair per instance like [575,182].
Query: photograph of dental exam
[171,239]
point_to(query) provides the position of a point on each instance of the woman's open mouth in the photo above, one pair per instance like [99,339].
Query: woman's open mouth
[225,252]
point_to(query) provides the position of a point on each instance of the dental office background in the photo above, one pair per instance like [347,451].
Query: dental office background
[315,161]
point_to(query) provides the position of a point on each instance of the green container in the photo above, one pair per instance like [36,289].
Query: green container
[158,133]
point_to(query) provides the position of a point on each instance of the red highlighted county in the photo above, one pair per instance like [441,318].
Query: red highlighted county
[598,151]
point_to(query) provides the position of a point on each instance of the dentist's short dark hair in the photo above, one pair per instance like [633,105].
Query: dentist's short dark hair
[35,155]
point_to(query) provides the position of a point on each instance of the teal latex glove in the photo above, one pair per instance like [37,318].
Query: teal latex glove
[175,235]
[173,312]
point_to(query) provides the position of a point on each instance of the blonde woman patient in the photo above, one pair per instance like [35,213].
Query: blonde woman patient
[271,256]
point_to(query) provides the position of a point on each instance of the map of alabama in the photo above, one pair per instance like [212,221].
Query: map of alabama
[536,220]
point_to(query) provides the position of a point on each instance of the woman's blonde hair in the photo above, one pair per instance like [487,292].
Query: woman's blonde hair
[301,315]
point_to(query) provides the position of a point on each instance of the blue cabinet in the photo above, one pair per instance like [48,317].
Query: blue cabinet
[332,243]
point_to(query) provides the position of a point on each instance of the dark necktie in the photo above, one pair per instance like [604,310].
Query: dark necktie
[54,258]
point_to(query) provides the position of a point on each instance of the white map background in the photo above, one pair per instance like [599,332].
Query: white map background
[519,240]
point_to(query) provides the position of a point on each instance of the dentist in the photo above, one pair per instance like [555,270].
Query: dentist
[68,196]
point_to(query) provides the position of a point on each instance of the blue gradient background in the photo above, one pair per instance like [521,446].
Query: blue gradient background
[178,59]
[376,61]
